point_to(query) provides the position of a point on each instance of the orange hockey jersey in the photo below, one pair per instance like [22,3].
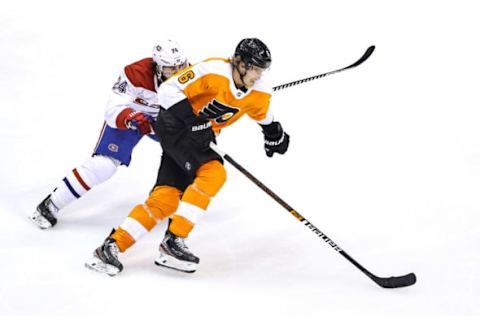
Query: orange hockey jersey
[210,88]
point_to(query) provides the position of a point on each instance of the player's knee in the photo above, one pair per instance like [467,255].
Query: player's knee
[98,169]
[144,216]
[211,176]
[209,180]
[163,201]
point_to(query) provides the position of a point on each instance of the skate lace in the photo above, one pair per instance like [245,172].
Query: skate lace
[180,243]
[113,249]
[52,207]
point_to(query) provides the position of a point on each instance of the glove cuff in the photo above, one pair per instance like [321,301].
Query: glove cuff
[122,116]
[273,130]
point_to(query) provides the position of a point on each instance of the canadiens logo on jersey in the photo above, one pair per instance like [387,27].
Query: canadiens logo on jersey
[218,111]
[141,101]
[113,147]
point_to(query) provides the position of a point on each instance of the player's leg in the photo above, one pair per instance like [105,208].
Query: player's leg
[206,175]
[209,180]
[205,169]
[113,149]
[161,203]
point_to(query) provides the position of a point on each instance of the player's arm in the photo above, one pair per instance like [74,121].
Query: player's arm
[119,112]
[275,138]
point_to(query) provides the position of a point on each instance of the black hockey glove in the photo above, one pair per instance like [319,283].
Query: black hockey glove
[202,132]
[276,140]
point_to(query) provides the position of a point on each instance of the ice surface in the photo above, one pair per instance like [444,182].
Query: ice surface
[384,159]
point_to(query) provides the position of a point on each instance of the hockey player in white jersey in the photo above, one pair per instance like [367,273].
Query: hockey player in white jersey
[129,114]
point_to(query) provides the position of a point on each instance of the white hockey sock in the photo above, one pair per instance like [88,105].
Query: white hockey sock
[134,228]
[93,171]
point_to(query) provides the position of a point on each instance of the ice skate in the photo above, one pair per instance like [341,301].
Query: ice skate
[105,258]
[174,254]
[45,214]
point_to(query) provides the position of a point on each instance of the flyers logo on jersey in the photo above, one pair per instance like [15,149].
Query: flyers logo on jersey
[186,77]
[218,111]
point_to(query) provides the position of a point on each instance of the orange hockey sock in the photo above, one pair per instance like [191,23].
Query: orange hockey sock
[161,203]
[209,180]
[181,226]
[123,239]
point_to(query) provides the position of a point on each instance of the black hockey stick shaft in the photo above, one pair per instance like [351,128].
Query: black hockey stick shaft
[364,57]
[389,282]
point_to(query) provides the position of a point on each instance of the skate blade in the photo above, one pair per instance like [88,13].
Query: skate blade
[170,262]
[40,221]
[98,265]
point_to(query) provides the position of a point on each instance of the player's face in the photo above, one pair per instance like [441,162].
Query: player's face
[168,71]
[251,75]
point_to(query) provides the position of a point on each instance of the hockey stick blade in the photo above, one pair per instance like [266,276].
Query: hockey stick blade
[364,57]
[395,282]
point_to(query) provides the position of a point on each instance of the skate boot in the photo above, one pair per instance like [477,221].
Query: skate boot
[105,258]
[45,216]
[174,254]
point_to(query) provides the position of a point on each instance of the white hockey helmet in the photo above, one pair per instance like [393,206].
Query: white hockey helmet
[169,57]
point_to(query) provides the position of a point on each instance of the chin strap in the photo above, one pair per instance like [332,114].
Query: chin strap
[160,78]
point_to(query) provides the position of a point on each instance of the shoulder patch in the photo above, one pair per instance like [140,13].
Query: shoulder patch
[140,74]
[120,86]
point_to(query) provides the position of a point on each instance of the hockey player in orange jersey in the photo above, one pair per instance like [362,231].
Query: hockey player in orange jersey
[195,105]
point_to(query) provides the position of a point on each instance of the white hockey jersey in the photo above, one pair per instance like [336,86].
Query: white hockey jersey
[136,88]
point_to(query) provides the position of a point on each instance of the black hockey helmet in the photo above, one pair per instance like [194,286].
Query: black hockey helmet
[253,52]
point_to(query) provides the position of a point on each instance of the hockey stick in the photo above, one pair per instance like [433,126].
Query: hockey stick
[390,282]
[365,56]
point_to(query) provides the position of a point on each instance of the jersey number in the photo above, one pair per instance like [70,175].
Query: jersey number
[186,77]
